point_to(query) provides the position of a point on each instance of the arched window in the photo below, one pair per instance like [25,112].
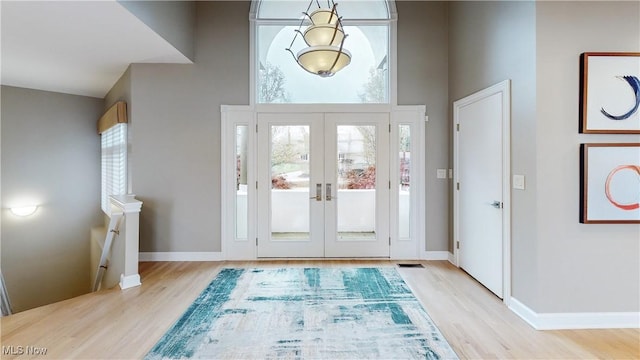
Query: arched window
[279,79]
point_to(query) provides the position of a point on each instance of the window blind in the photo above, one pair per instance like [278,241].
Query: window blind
[114,164]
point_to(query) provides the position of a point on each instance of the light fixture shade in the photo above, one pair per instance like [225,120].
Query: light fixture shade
[316,35]
[24,210]
[320,60]
[324,17]
[325,37]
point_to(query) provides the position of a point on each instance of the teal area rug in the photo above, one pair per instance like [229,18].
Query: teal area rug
[304,313]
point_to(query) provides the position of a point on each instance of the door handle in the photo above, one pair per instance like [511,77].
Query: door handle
[318,196]
[329,192]
[497,204]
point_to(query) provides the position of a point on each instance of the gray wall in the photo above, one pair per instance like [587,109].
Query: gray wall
[490,42]
[121,91]
[423,80]
[50,153]
[176,132]
[582,267]
[173,20]
[558,264]
[175,122]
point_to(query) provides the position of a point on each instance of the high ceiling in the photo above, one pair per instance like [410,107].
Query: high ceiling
[75,47]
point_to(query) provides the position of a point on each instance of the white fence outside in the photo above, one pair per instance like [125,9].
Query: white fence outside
[290,211]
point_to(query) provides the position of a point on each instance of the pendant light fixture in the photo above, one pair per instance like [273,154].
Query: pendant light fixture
[324,36]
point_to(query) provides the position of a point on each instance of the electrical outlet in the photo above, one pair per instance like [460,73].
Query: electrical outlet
[441,173]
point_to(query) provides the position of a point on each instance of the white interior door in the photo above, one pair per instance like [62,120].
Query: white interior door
[480,178]
[323,185]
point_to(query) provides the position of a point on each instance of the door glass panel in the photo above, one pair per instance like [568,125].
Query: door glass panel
[241,182]
[404,224]
[290,182]
[356,209]
[281,80]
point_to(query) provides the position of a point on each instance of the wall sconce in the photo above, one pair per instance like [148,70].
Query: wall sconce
[24,210]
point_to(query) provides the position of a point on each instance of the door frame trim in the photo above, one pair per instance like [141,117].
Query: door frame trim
[503,88]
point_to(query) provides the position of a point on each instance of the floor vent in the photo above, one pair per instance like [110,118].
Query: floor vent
[410,265]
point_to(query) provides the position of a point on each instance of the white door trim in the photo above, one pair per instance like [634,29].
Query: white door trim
[503,88]
[414,247]
[232,246]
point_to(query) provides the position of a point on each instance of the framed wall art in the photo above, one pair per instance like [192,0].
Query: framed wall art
[610,183]
[610,93]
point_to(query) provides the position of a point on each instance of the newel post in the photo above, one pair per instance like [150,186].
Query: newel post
[130,233]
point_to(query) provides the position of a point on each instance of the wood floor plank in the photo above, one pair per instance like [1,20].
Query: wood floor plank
[115,324]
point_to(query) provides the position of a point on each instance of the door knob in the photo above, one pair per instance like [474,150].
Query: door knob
[318,196]
[497,204]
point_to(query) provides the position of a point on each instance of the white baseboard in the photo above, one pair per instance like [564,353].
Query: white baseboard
[181,256]
[564,321]
[522,310]
[129,281]
[435,255]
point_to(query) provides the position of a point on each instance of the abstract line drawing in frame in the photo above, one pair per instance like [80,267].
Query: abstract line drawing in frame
[610,183]
[610,93]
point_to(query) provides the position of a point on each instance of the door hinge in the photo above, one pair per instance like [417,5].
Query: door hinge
[256,241]
[256,185]
[389,184]
[389,240]
[389,128]
[457,244]
[458,186]
[457,127]
[256,128]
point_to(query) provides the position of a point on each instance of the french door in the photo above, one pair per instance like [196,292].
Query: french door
[323,185]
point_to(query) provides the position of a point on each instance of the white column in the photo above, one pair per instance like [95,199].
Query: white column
[130,233]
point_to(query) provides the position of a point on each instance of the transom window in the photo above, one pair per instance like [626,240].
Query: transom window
[279,78]
[348,9]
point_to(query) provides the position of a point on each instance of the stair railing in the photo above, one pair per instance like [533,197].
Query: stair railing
[112,232]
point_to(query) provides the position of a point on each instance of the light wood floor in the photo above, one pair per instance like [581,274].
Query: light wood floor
[116,324]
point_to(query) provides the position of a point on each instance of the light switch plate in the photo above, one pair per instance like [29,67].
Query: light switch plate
[518,182]
[441,173]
